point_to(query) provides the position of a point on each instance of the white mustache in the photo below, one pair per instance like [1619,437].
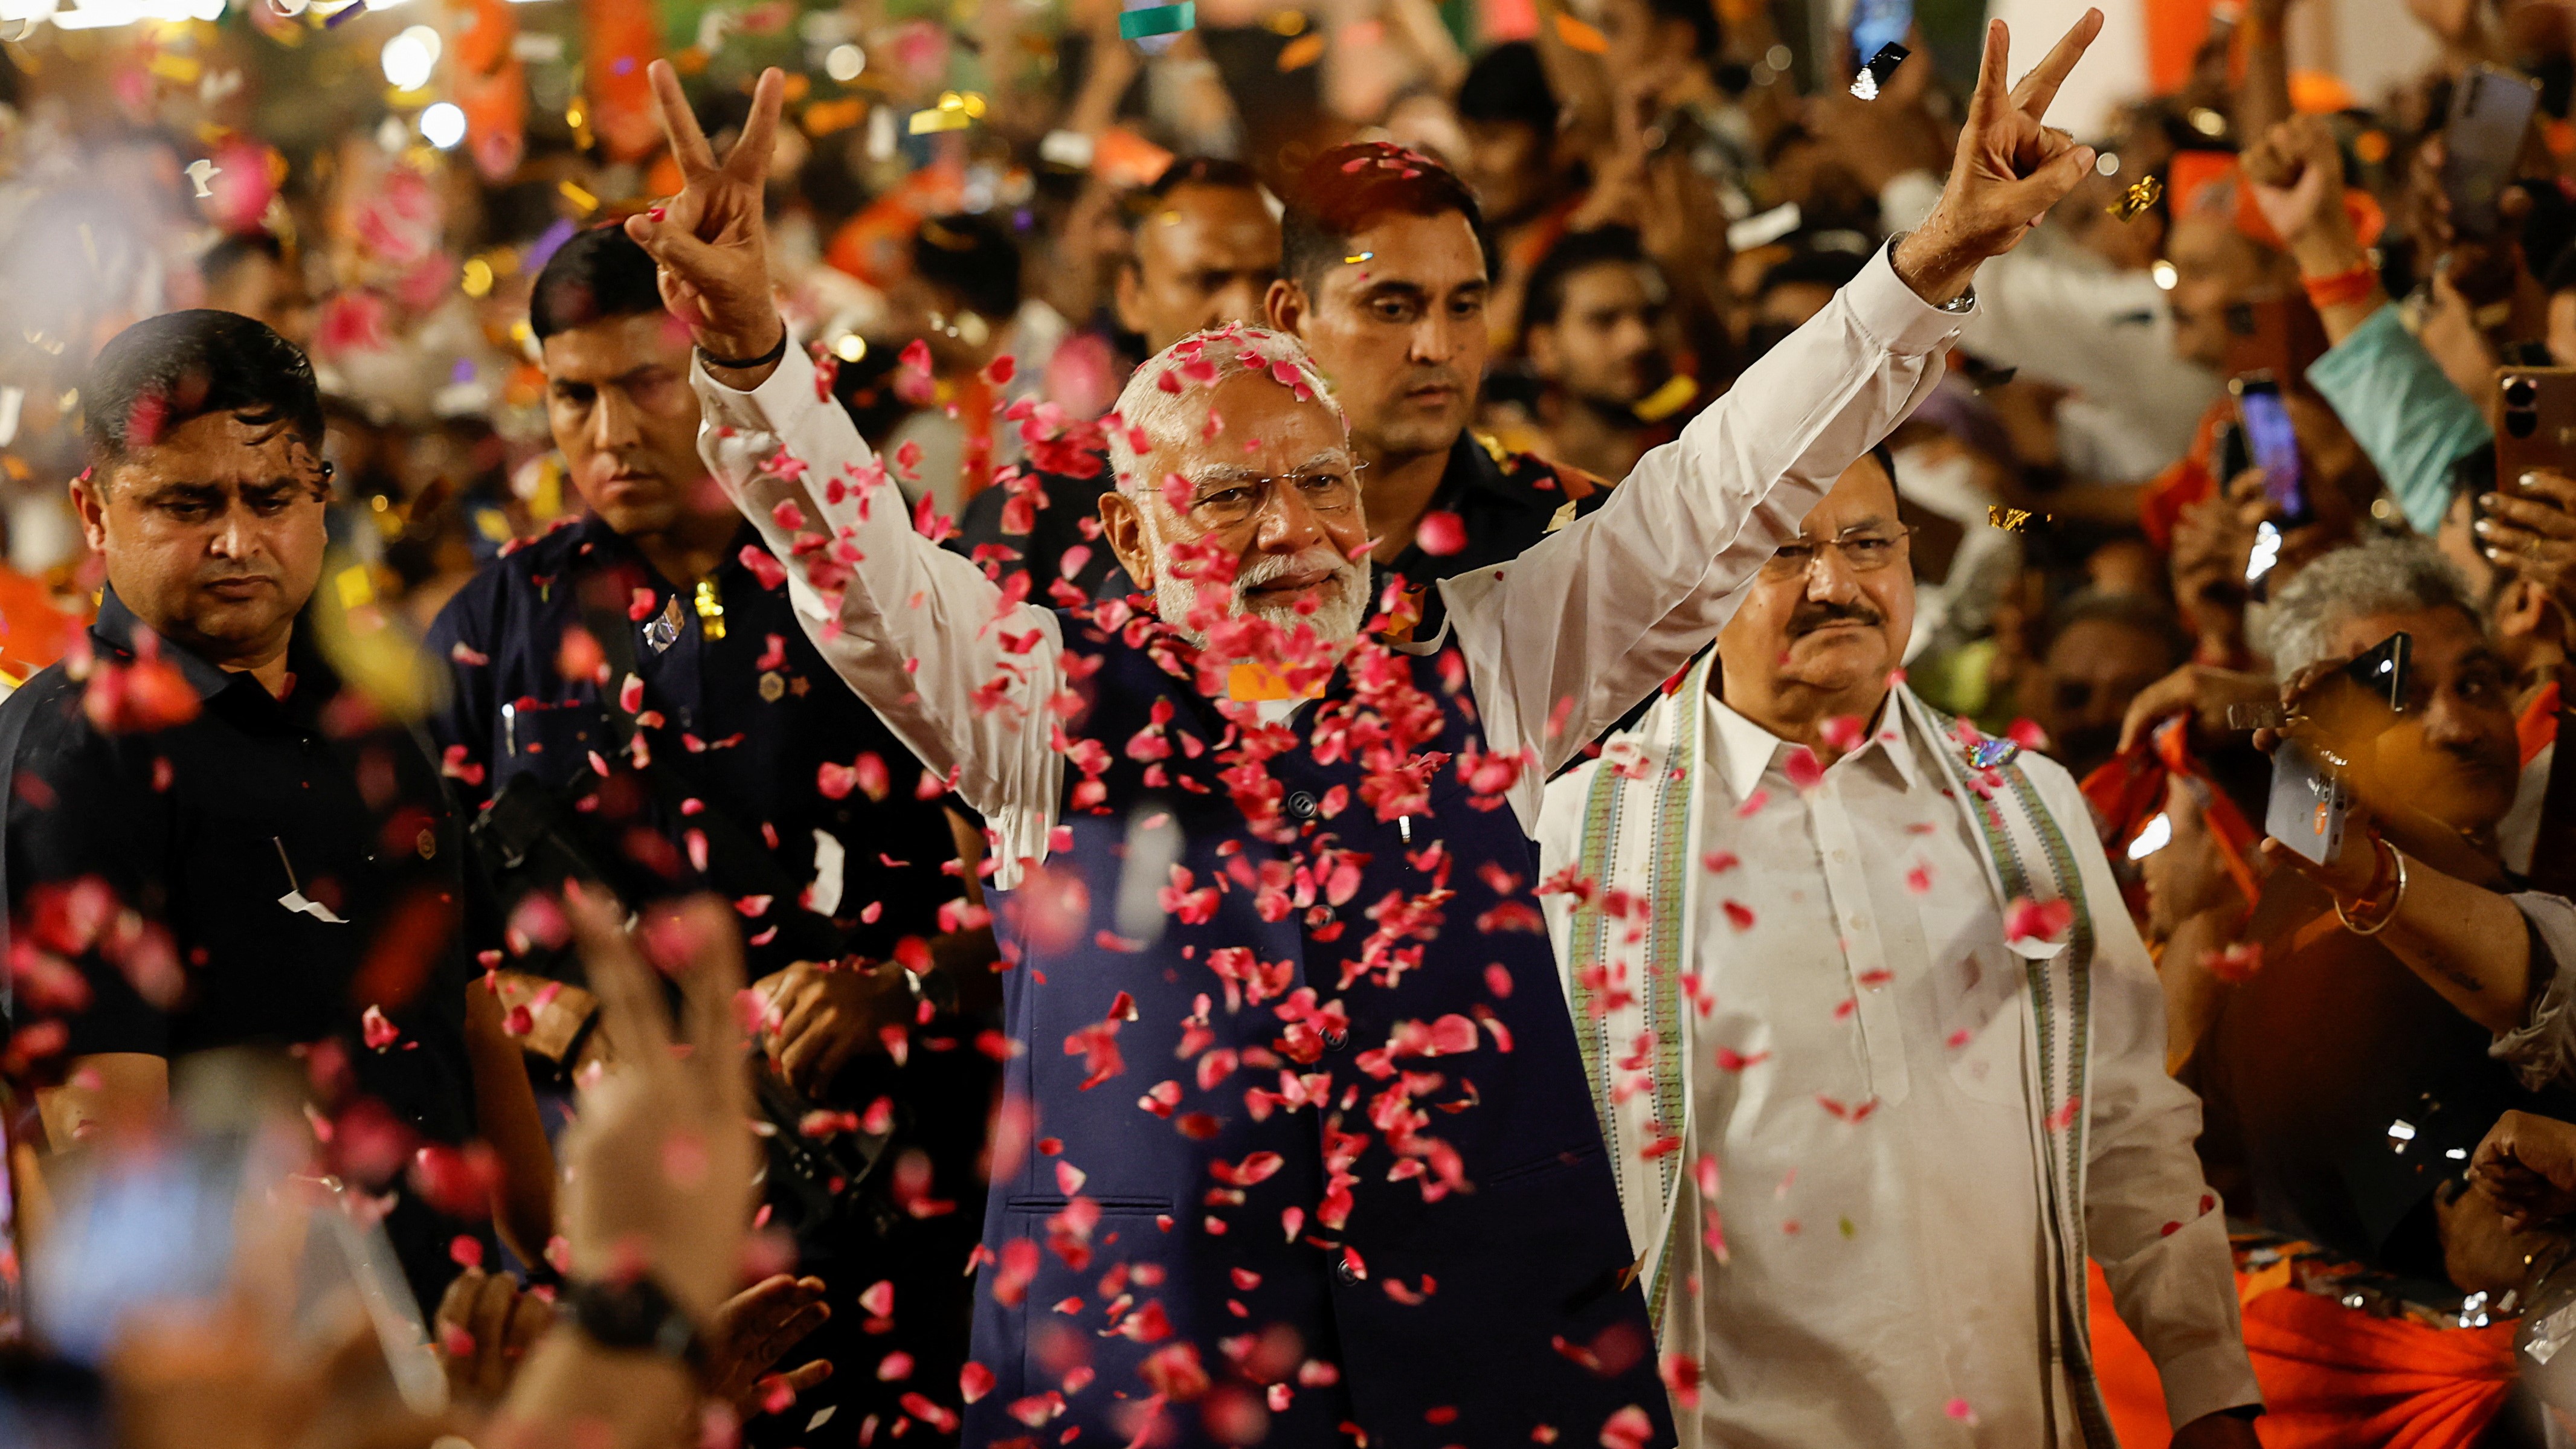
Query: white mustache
[1271,567]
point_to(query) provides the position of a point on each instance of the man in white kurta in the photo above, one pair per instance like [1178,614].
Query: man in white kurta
[1833,1172]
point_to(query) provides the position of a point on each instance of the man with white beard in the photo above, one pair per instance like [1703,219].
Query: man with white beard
[1244,843]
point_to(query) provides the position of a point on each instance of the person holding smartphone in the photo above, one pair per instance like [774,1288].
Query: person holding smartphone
[2406,414]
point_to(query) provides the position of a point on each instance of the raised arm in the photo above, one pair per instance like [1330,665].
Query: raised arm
[1590,620]
[956,669]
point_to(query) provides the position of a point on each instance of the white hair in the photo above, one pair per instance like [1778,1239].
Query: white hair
[2377,576]
[1170,418]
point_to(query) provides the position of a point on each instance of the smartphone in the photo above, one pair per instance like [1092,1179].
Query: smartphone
[2309,797]
[2227,455]
[2308,805]
[2278,337]
[2535,422]
[1877,24]
[2381,672]
[2274,445]
[2491,113]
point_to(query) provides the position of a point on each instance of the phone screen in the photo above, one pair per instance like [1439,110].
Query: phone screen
[1877,24]
[2490,114]
[2382,671]
[2275,446]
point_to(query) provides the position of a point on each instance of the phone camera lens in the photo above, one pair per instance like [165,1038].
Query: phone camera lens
[2520,393]
[2521,424]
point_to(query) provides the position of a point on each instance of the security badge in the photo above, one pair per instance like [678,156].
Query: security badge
[664,631]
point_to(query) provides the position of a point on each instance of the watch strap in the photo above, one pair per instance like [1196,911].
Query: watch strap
[634,1316]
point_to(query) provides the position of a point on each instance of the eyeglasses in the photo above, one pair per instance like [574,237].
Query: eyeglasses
[1233,501]
[1864,550]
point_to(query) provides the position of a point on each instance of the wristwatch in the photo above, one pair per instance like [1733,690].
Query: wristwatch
[1958,306]
[636,1316]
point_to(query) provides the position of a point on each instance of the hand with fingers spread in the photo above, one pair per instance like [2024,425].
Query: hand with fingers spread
[710,241]
[659,1162]
[753,1330]
[2009,169]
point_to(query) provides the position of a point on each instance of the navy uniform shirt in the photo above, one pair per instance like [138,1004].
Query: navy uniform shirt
[1505,501]
[297,853]
[748,721]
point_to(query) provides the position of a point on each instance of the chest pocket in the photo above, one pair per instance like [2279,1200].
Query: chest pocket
[1977,992]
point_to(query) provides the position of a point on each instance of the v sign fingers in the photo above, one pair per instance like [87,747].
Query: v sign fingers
[2009,170]
[2039,88]
[711,242]
[679,123]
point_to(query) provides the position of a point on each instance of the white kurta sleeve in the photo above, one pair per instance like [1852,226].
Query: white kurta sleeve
[963,676]
[2165,1254]
[1605,609]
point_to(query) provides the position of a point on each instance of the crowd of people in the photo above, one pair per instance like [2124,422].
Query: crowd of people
[1049,723]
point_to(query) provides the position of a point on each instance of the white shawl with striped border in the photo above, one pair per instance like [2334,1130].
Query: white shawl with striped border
[1624,944]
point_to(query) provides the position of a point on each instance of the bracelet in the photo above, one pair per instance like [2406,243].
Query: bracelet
[2394,900]
[776,351]
[2343,288]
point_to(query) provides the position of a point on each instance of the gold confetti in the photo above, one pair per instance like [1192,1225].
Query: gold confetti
[2014,520]
[2142,193]
[478,277]
[1355,258]
[577,196]
[1285,22]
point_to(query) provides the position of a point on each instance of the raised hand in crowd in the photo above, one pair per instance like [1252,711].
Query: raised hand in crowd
[711,241]
[658,1168]
[2009,168]
[2296,172]
[2528,525]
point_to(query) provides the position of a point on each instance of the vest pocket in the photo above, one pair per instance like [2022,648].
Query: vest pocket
[1110,1207]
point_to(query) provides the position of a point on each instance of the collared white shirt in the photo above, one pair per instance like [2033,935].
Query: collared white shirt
[1557,644]
[1859,1081]
[1877,1184]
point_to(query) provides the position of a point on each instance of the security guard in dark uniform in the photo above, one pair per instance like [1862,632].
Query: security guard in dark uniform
[210,842]
[634,700]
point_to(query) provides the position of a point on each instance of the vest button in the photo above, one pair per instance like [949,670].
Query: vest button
[1343,1272]
[1336,1040]
[1301,804]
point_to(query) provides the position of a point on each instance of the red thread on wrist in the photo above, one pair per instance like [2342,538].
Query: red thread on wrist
[2343,288]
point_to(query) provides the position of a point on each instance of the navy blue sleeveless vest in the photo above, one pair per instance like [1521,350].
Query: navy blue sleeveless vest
[1197,1081]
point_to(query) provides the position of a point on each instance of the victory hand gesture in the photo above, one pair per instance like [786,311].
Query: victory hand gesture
[710,241]
[2009,170]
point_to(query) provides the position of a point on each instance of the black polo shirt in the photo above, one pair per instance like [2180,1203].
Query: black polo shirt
[747,723]
[1506,501]
[290,863]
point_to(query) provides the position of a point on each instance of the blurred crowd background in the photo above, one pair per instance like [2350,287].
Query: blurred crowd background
[2121,559]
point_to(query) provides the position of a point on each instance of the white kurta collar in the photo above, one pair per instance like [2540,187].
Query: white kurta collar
[1745,749]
